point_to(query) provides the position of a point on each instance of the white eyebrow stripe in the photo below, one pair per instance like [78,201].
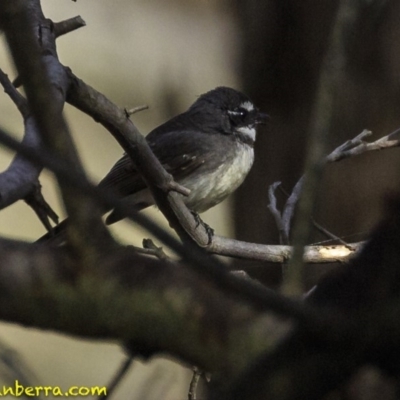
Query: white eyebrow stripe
[247,105]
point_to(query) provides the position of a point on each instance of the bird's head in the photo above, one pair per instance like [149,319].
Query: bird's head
[229,112]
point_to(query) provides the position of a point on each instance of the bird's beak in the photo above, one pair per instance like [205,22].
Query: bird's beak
[262,118]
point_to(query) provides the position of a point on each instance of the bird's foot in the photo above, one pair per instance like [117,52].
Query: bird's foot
[209,230]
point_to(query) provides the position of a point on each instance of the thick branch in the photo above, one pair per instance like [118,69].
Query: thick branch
[153,304]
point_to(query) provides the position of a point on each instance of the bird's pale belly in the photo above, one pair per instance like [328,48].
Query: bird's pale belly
[216,185]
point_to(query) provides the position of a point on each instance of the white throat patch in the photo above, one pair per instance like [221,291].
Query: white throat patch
[249,131]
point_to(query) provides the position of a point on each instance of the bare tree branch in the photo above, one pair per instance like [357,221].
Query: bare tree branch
[69,25]
[283,238]
[192,394]
[358,146]
[121,373]
[32,43]
[350,148]
[330,235]
[282,254]
[136,109]
[151,248]
[42,209]
[21,177]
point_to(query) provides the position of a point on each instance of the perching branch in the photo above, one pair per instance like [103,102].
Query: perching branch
[281,254]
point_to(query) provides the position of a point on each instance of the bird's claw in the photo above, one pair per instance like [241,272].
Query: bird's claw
[209,230]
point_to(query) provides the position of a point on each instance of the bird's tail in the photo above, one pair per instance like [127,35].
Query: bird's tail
[137,201]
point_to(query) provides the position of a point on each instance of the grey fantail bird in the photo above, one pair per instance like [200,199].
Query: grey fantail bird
[209,149]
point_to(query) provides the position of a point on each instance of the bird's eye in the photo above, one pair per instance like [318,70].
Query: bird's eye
[239,113]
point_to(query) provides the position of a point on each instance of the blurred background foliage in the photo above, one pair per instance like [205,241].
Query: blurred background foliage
[165,53]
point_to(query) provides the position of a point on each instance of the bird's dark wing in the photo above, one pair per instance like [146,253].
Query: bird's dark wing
[180,152]
[123,178]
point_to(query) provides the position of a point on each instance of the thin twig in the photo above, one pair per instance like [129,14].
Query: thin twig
[290,205]
[327,242]
[360,147]
[350,148]
[330,234]
[146,252]
[136,109]
[197,373]
[158,252]
[117,379]
[337,153]
[68,25]
[272,206]
[15,96]
[42,209]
